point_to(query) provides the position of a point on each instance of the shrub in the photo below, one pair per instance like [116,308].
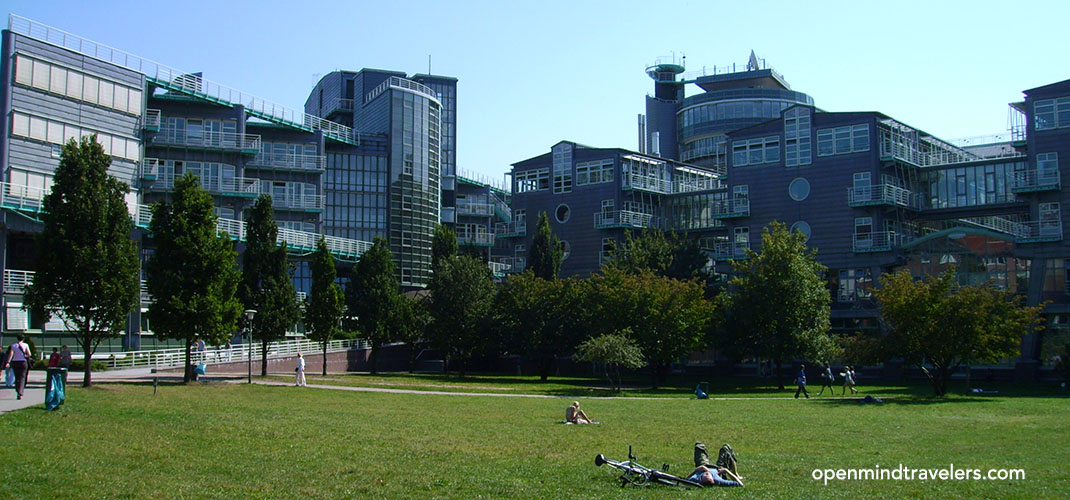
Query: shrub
[77,365]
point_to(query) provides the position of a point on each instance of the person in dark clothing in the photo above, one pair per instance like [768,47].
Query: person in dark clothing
[801,381]
[826,380]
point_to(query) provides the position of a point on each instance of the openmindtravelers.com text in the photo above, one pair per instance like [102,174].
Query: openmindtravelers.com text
[904,473]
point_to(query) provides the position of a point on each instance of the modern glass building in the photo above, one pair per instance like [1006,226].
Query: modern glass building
[873,195]
[158,123]
[406,120]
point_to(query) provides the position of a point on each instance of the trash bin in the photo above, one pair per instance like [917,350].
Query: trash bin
[55,388]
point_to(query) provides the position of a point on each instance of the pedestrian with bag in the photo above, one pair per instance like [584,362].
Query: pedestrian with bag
[18,359]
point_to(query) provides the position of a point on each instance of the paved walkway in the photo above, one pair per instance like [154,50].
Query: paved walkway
[35,391]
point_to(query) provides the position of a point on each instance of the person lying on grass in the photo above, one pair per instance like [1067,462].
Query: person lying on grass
[710,476]
[573,414]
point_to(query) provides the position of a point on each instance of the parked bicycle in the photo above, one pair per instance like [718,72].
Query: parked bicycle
[640,475]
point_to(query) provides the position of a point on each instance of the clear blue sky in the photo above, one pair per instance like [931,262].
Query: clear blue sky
[532,74]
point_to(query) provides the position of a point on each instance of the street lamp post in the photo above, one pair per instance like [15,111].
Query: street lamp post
[249,313]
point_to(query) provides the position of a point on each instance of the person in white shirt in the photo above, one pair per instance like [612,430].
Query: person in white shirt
[300,370]
[18,359]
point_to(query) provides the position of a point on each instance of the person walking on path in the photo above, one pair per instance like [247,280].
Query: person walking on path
[300,370]
[848,380]
[53,360]
[65,362]
[826,380]
[801,381]
[18,359]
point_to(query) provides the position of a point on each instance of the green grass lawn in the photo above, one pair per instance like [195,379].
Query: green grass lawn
[236,441]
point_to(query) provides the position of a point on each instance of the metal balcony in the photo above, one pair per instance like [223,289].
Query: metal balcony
[881,194]
[475,209]
[730,250]
[647,183]
[499,268]
[707,184]
[293,162]
[15,281]
[150,168]
[245,187]
[224,141]
[476,239]
[310,203]
[17,197]
[623,218]
[727,209]
[510,229]
[877,241]
[1034,180]
[1039,231]
[151,120]
[337,105]
[510,264]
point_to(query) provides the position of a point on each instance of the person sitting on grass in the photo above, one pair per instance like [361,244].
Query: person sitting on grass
[575,415]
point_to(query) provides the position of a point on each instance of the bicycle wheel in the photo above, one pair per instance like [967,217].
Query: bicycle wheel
[671,480]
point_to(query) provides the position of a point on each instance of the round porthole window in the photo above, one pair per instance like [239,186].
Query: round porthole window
[562,213]
[565,249]
[803,228]
[799,189]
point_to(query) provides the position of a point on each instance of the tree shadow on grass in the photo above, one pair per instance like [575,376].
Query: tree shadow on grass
[905,401]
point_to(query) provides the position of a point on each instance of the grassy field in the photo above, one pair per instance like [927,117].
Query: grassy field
[235,441]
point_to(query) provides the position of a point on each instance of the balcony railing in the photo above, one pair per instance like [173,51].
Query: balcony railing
[511,265]
[19,197]
[15,281]
[336,105]
[475,209]
[150,168]
[402,83]
[230,186]
[151,120]
[288,161]
[648,183]
[299,202]
[881,194]
[623,218]
[477,239]
[499,268]
[877,241]
[1033,180]
[1040,231]
[735,207]
[730,250]
[247,143]
[705,184]
[510,229]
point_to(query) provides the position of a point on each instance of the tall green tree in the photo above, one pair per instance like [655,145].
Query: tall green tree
[460,304]
[326,303]
[546,250]
[542,319]
[443,244]
[667,318]
[266,285]
[87,266]
[192,273]
[670,255]
[411,323]
[933,320]
[777,306]
[373,297]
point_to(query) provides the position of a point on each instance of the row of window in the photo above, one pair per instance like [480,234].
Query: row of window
[797,137]
[1052,113]
[594,172]
[731,110]
[55,132]
[77,85]
[756,151]
[842,140]
[531,180]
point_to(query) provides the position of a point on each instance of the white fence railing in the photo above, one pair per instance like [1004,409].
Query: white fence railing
[624,218]
[162,359]
[207,139]
[289,161]
[882,193]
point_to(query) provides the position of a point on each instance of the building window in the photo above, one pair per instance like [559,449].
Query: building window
[406,276]
[1052,113]
[842,140]
[594,172]
[741,235]
[566,249]
[531,180]
[797,137]
[57,151]
[562,213]
[756,151]
[562,158]
[799,189]
[854,284]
